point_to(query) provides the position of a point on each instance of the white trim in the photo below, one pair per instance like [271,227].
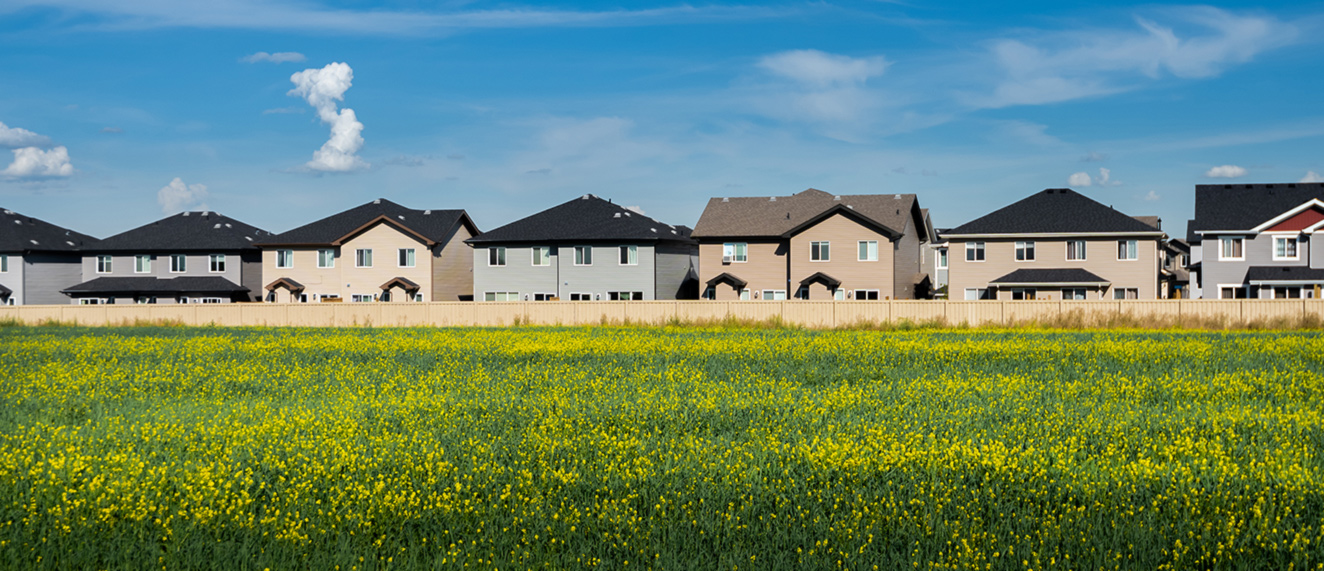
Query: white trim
[183,258]
[866,249]
[1314,202]
[110,264]
[1030,248]
[533,256]
[1135,259]
[1274,252]
[413,253]
[627,256]
[982,249]
[1077,235]
[1240,258]
[587,257]
[1219,290]
[819,244]
[332,258]
[500,252]
[358,257]
[290,260]
[139,257]
[1312,228]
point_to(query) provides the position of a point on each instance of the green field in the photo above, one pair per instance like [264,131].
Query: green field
[676,448]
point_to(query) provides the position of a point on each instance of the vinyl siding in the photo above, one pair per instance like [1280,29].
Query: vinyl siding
[1257,251]
[384,240]
[13,279]
[251,273]
[44,275]
[519,275]
[1100,259]
[677,271]
[908,261]
[1316,256]
[843,236]
[453,267]
[304,270]
[766,268]
[195,265]
[606,274]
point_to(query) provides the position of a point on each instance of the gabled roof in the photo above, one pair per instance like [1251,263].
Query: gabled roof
[429,226]
[187,284]
[1054,211]
[189,231]
[19,233]
[823,278]
[404,283]
[286,283]
[1050,277]
[1245,206]
[1257,275]
[587,218]
[783,216]
[5,292]
[728,278]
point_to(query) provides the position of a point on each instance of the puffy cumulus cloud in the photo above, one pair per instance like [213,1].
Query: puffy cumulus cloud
[13,137]
[32,162]
[178,197]
[278,57]
[818,68]
[1312,176]
[1225,171]
[322,88]
[1080,180]
[1083,179]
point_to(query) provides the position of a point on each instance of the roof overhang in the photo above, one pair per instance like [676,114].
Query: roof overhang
[402,283]
[1285,282]
[1050,284]
[384,219]
[822,278]
[891,233]
[1156,235]
[729,279]
[286,283]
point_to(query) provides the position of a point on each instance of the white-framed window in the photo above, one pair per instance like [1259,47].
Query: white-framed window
[866,295]
[735,252]
[90,301]
[363,258]
[774,294]
[625,296]
[1233,292]
[208,300]
[4,263]
[496,256]
[1025,251]
[1128,249]
[544,296]
[216,264]
[583,255]
[501,296]
[406,257]
[1023,294]
[1126,293]
[868,250]
[142,264]
[326,258]
[942,259]
[1285,248]
[839,294]
[1073,293]
[1075,250]
[1230,248]
[976,293]
[104,264]
[629,255]
[542,255]
[1287,292]
[178,263]
[285,258]
[581,297]
[820,251]
[744,294]
[974,251]
[418,297]
[362,297]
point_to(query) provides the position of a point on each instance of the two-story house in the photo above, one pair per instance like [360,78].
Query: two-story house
[814,245]
[191,257]
[1055,244]
[1257,240]
[379,251]
[587,249]
[37,260]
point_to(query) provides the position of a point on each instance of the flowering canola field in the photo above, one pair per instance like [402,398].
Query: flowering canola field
[616,448]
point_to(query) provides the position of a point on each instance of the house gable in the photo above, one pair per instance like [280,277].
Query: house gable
[1300,221]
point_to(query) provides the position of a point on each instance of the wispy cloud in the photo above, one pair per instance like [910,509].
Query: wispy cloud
[11,137]
[1225,171]
[278,57]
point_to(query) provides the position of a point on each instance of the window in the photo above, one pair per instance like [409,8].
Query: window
[625,295]
[142,264]
[942,259]
[583,255]
[735,252]
[418,297]
[217,264]
[326,258]
[1075,250]
[744,294]
[839,294]
[774,294]
[866,295]
[1073,293]
[406,257]
[1025,251]
[4,264]
[1126,293]
[544,296]
[802,293]
[210,300]
[496,256]
[1230,248]
[90,301]
[103,264]
[581,297]
[178,263]
[818,251]
[868,250]
[542,256]
[629,255]
[285,258]
[1284,248]
[1283,292]
[363,258]
[1128,250]
[362,298]
[976,294]
[1232,292]
[1023,294]
[974,251]
[303,298]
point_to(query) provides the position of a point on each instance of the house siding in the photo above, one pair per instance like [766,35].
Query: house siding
[1316,256]
[453,267]
[677,271]
[606,274]
[767,267]
[843,235]
[1257,251]
[316,281]
[195,265]
[1100,259]
[251,273]
[908,261]
[519,275]
[44,275]
[13,279]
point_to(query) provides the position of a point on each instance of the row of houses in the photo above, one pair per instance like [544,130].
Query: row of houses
[812,245]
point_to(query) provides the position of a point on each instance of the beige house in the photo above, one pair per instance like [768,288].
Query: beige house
[813,245]
[1055,245]
[379,251]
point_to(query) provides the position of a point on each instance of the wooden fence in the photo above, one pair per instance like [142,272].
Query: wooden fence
[815,314]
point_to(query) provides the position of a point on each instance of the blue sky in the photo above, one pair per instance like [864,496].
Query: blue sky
[504,108]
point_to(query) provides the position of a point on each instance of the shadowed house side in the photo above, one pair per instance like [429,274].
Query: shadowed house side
[38,260]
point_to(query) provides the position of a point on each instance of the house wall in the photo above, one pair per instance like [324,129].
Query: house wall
[453,268]
[518,275]
[1100,259]
[843,236]
[1257,251]
[45,274]
[195,265]
[251,273]
[767,267]
[315,280]
[908,260]
[345,279]
[606,274]
[1316,246]
[13,279]
[677,271]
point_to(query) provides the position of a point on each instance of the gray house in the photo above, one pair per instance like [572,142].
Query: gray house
[588,249]
[191,257]
[1257,241]
[37,260]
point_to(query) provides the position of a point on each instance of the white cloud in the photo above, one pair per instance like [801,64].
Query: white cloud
[178,197]
[321,88]
[32,162]
[825,89]
[1080,180]
[1225,171]
[1152,196]
[1312,176]
[13,137]
[822,69]
[278,57]
[1083,179]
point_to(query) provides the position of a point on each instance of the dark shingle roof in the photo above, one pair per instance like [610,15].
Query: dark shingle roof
[4,291]
[434,225]
[1055,210]
[19,233]
[779,216]
[1284,274]
[158,285]
[1049,276]
[585,218]
[186,231]
[1245,206]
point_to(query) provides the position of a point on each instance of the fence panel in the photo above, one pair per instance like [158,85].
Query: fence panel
[404,314]
[914,311]
[689,311]
[650,312]
[1253,310]
[818,314]
[974,312]
[553,312]
[1223,311]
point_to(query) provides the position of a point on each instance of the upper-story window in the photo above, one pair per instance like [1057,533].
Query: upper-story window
[629,255]
[4,263]
[363,258]
[974,251]
[142,264]
[1025,251]
[942,258]
[178,263]
[868,250]
[583,255]
[1128,249]
[406,257]
[103,264]
[820,251]
[496,256]
[1075,250]
[542,255]
[217,263]
[1284,248]
[1230,248]
[285,258]
[326,258]
[735,252]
